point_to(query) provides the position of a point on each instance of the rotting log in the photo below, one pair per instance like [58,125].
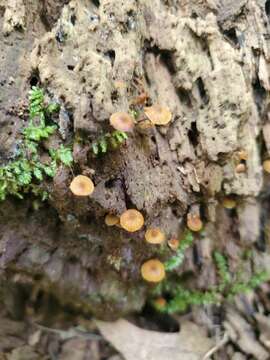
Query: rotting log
[208,62]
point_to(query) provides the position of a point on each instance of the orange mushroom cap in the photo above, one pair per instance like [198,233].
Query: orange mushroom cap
[82,185]
[194,222]
[122,121]
[158,115]
[154,236]
[111,220]
[131,220]
[160,302]
[266,165]
[173,244]
[153,271]
[229,203]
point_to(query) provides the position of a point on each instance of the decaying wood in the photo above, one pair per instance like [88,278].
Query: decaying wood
[208,61]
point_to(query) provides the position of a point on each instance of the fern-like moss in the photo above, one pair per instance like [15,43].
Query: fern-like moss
[110,140]
[27,171]
[223,270]
[180,298]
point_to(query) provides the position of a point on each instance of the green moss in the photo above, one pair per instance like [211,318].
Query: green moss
[223,271]
[26,173]
[180,297]
[109,141]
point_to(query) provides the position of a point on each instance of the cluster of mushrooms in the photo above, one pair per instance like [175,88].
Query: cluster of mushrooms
[132,220]
[153,115]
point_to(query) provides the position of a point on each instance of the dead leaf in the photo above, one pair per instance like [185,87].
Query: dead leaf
[134,343]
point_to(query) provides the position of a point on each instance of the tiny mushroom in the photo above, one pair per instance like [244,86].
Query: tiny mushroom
[122,121]
[243,155]
[158,115]
[131,220]
[173,244]
[240,168]
[154,236]
[266,165]
[194,222]
[229,203]
[82,185]
[153,271]
[111,220]
[160,302]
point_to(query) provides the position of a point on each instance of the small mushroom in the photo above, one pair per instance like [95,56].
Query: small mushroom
[194,222]
[153,271]
[122,121]
[82,185]
[158,115]
[240,168]
[229,203]
[160,302]
[243,155]
[154,236]
[173,244]
[111,220]
[131,220]
[266,165]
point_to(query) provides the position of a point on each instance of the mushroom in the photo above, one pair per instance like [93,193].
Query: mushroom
[131,220]
[266,165]
[160,302]
[173,244]
[243,155]
[194,222]
[158,115]
[122,121]
[229,203]
[111,220]
[240,168]
[153,271]
[154,236]
[82,185]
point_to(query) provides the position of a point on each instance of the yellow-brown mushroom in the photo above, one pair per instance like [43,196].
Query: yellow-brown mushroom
[173,244]
[111,220]
[131,220]
[266,165]
[82,185]
[158,115]
[154,236]
[229,203]
[194,222]
[243,155]
[122,121]
[153,271]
